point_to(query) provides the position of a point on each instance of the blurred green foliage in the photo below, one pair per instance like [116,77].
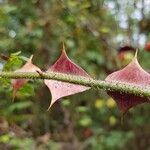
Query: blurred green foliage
[92,31]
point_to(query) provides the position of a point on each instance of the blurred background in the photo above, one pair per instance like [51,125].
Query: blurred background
[101,36]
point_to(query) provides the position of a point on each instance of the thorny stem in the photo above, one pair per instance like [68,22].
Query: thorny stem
[108,86]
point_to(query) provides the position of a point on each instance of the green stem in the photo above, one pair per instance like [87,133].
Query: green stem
[108,86]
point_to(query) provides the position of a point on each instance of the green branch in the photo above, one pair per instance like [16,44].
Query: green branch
[108,86]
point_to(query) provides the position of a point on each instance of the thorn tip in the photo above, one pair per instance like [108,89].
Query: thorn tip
[63,49]
[136,53]
[30,59]
[63,46]
[49,106]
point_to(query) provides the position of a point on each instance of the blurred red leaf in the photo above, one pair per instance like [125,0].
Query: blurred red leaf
[87,132]
[131,74]
[18,83]
[61,89]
